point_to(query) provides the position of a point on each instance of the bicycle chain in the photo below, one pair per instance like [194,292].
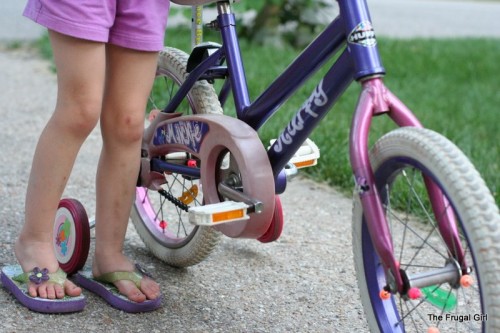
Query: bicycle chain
[174,200]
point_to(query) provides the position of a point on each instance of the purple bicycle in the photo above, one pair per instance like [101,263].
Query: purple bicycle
[426,229]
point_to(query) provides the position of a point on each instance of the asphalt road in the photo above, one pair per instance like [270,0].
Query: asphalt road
[304,282]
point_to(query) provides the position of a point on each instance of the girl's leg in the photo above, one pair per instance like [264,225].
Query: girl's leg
[129,77]
[80,75]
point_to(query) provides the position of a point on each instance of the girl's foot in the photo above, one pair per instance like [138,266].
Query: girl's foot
[149,289]
[31,254]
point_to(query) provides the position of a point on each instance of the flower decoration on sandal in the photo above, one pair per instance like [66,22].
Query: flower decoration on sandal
[39,276]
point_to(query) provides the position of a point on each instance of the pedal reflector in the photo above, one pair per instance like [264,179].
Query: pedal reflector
[307,155]
[305,164]
[223,212]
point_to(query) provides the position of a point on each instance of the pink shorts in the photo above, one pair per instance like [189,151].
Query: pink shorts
[135,24]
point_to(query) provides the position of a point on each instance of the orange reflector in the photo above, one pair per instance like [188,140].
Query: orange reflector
[189,196]
[230,215]
[304,164]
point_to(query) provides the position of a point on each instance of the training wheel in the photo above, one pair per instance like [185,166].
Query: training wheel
[71,235]
[276,227]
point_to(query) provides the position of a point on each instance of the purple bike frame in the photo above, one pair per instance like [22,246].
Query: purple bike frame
[358,61]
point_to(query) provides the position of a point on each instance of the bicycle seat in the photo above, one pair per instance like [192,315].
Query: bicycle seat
[196,2]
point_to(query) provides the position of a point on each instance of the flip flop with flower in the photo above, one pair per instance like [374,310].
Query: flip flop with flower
[16,281]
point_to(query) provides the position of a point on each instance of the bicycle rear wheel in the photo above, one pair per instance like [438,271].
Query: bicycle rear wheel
[401,161]
[160,217]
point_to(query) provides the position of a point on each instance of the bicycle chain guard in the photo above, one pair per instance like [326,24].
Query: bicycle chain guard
[209,137]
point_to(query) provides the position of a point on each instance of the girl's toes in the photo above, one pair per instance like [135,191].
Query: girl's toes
[150,288]
[51,292]
[71,289]
[136,295]
[128,289]
[42,291]
[59,290]
[32,291]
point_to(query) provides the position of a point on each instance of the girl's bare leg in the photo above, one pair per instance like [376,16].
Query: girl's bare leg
[80,75]
[129,77]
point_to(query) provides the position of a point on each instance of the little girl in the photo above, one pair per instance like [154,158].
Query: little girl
[105,53]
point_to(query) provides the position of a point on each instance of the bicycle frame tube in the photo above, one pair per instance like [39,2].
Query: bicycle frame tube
[361,40]
[191,80]
[326,93]
[305,65]
[227,25]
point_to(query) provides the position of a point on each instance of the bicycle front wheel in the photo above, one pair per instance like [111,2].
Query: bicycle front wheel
[404,161]
[160,217]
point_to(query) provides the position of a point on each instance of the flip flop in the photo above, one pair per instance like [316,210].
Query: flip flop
[16,282]
[103,287]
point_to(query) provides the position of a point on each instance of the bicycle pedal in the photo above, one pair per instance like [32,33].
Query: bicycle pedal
[214,214]
[307,155]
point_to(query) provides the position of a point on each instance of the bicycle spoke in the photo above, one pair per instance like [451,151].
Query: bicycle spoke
[424,240]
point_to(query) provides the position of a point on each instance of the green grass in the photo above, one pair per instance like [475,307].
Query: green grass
[451,85]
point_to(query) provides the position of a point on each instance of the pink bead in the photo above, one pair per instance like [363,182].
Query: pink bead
[414,293]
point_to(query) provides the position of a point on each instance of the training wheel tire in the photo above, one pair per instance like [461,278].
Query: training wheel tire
[71,235]
[276,227]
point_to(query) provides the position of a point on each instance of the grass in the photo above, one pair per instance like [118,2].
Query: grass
[451,85]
